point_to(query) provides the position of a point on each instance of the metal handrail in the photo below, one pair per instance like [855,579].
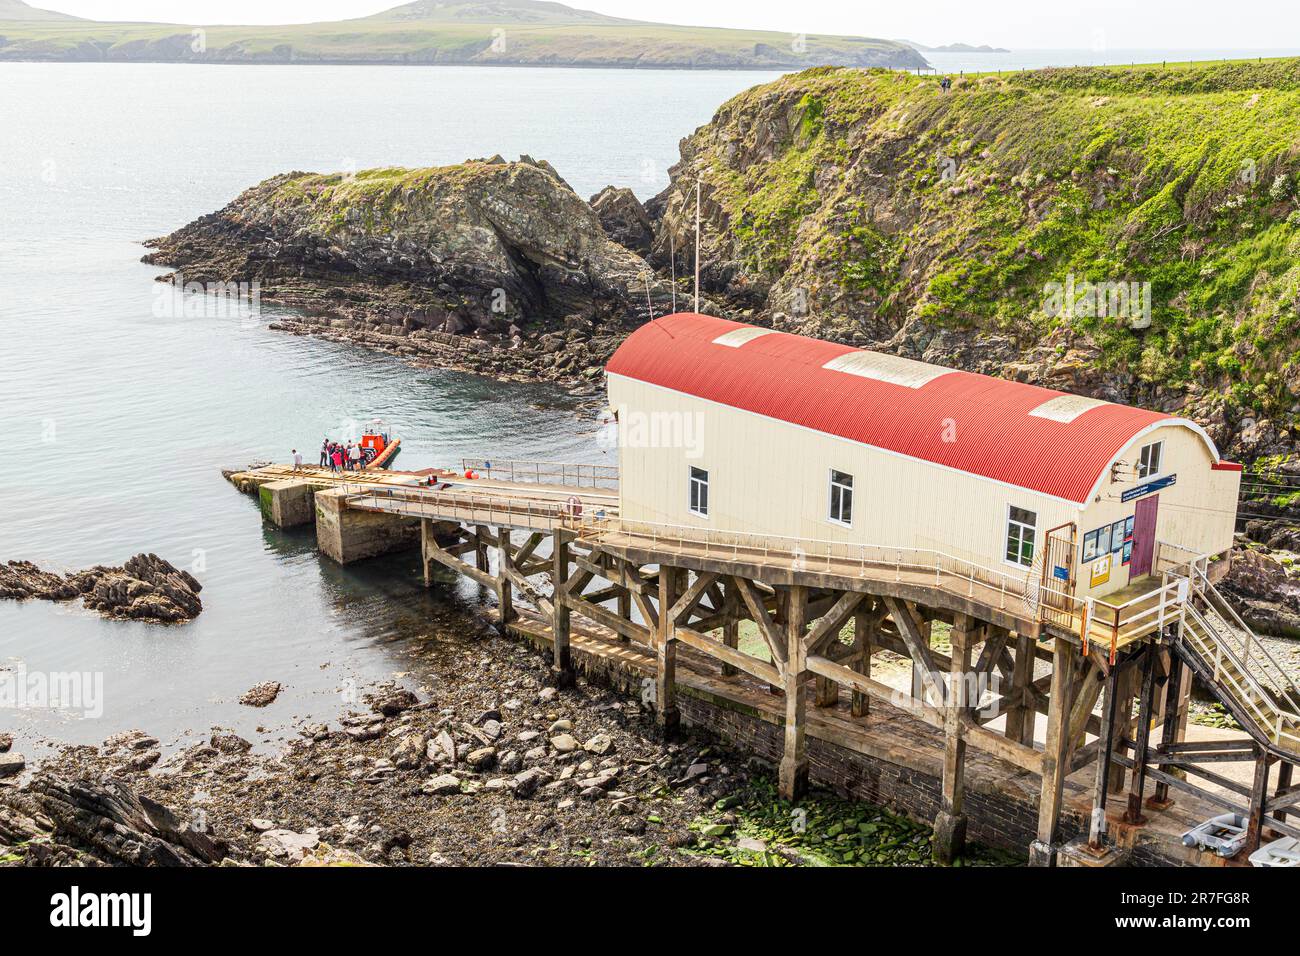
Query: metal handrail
[487,509]
[1280,682]
[574,474]
[1261,702]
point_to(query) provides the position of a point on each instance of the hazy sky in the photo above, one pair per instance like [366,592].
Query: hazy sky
[1053,24]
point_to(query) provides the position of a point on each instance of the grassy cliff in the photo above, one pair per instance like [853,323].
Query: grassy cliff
[873,207]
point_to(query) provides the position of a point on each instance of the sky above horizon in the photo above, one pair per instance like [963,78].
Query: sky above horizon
[1018,24]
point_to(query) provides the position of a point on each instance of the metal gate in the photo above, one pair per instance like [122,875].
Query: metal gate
[1056,604]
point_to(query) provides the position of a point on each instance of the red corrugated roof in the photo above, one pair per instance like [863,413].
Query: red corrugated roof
[781,376]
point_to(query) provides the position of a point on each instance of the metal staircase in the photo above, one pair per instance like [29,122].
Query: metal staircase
[1229,657]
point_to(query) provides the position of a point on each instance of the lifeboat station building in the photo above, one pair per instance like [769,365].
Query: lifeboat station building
[805,439]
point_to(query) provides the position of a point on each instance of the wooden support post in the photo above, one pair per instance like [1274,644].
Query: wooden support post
[828,693]
[1258,802]
[625,611]
[793,776]
[426,538]
[731,630]
[863,627]
[481,548]
[505,590]
[1133,816]
[1125,691]
[666,713]
[950,825]
[1042,852]
[926,629]
[1283,784]
[1161,800]
[562,667]
[1020,718]
[1097,836]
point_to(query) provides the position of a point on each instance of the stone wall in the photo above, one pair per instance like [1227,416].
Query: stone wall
[346,535]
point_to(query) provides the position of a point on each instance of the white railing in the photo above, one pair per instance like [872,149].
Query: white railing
[571,474]
[1233,637]
[810,554]
[479,508]
[1273,711]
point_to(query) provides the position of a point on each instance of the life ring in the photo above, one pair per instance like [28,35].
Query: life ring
[575,506]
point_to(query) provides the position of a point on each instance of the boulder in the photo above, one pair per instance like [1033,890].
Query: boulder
[442,785]
[564,743]
[11,764]
[261,695]
[623,218]
[411,751]
[391,701]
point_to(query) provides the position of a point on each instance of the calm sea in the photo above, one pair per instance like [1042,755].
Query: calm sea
[118,421]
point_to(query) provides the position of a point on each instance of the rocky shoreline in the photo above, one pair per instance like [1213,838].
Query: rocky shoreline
[491,267]
[484,764]
[145,588]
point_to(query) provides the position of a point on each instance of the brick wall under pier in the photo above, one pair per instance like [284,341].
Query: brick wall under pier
[903,772]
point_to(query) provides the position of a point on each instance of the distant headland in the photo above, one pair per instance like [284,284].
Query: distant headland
[443,32]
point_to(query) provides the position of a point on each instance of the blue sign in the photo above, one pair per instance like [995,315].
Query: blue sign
[1060,573]
[1148,488]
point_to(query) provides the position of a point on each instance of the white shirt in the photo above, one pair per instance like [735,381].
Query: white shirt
[297,459]
[356,452]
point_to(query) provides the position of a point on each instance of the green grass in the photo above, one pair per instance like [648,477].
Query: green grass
[1127,174]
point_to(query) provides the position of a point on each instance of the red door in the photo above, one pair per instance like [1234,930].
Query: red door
[1144,536]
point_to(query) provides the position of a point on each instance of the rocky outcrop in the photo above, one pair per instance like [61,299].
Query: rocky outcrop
[624,219]
[493,266]
[145,588]
[99,822]
[1264,592]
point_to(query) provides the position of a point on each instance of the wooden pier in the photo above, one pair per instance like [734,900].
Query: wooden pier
[664,608]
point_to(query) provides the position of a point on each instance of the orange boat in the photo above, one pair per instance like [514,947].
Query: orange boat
[377,449]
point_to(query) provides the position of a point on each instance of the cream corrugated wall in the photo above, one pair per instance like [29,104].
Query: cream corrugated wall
[771,477]
[1197,512]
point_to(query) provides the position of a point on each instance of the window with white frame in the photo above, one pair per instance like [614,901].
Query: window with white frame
[1149,459]
[1020,536]
[699,492]
[841,498]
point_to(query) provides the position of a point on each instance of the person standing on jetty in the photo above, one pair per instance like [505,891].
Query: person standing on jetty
[297,460]
[325,453]
[354,452]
